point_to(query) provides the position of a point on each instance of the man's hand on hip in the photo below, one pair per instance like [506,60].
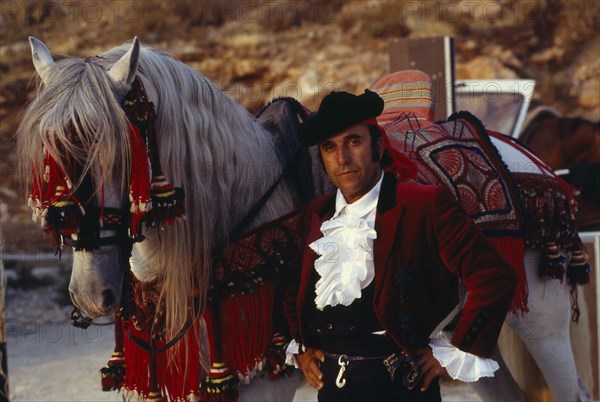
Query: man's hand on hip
[309,364]
[429,366]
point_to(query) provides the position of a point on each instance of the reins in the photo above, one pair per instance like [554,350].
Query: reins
[148,347]
[84,322]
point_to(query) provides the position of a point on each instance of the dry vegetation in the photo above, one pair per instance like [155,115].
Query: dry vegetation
[255,50]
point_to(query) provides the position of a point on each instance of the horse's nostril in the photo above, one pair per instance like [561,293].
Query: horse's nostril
[108,299]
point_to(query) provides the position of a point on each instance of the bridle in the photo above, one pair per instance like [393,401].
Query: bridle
[114,220]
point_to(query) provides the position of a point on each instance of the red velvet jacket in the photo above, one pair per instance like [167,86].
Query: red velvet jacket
[424,242]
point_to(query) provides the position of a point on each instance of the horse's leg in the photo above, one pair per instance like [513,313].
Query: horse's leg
[545,330]
[262,389]
[500,388]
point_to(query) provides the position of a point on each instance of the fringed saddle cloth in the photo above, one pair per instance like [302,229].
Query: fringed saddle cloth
[512,210]
[243,328]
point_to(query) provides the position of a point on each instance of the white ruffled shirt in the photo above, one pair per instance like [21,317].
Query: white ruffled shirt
[346,267]
[346,250]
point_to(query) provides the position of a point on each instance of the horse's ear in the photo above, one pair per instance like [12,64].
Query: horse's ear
[123,71]
[42,59]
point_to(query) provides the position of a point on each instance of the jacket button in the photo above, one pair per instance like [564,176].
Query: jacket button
[330,326]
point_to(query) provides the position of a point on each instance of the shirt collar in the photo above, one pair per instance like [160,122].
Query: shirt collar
[360,207]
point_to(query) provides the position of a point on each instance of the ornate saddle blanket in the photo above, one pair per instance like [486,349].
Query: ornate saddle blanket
[511,209]
[459,154]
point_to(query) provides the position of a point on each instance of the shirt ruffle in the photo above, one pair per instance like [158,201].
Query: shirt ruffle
[346,260]
[293,348]
[346,250]
[461,365]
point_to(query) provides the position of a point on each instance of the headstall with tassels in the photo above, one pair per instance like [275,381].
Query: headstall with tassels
[66,209]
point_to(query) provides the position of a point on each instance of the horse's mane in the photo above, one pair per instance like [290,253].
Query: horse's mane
[208,144]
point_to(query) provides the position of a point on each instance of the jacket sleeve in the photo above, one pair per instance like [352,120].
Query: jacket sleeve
[489,279]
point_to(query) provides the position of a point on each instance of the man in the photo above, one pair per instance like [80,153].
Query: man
[380,271]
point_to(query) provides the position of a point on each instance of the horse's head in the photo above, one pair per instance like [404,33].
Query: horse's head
[74,139]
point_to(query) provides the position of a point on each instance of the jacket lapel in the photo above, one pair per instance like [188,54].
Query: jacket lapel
[389,214]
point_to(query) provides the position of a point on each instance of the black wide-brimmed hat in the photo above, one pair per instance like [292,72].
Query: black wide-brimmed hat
[338,111]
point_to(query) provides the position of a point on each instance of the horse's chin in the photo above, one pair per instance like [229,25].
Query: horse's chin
[94,310]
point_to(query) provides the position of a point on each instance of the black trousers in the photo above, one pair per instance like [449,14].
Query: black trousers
[369,381]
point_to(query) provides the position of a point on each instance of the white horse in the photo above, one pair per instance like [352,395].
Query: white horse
[209,145]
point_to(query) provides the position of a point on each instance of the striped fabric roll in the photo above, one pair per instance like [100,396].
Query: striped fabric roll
[406,93]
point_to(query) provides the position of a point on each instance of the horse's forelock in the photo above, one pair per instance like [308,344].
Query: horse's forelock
[76,113]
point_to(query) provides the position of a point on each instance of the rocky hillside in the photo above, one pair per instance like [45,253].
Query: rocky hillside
[258,50]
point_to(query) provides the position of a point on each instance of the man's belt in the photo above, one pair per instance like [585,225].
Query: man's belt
[408,365]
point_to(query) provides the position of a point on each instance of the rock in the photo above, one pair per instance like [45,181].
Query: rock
[589,97]
[553,53]
[247,69]
[483,67]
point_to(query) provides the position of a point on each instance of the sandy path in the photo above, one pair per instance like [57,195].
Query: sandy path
[57,362]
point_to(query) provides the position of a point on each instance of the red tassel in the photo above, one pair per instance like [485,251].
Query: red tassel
[113,374]
[220,385]
[154,395]
[139,184]
[252,316]
[578,271]
[552,265]
[167,203]
[173,374]
[275,358]
[53,201]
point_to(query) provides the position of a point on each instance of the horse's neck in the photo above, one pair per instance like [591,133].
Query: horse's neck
[243,167]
